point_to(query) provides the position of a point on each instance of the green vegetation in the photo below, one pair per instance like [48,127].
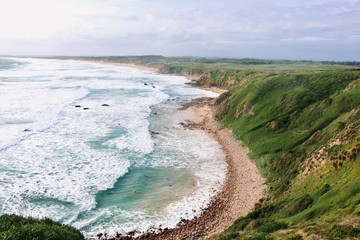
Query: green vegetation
[303,130]
[301,121]
[13,227]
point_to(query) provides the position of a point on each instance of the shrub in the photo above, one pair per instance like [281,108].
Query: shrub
[324,189]
[272,227]
[241,223]
[257,237]
[13,227]
[343,232]
[300,204]
[230,236]
[222,97]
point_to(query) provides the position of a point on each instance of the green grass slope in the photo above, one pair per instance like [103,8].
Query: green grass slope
[303,132]
[14,227]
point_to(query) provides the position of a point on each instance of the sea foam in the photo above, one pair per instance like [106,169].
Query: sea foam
[77,145]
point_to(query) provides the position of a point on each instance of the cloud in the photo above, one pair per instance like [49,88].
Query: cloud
[212,28]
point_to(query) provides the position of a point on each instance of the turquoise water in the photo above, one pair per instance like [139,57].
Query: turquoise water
[93,146]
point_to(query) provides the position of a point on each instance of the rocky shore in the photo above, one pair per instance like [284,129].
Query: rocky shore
[243,188]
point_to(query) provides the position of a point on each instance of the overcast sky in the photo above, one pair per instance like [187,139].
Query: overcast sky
[286,29]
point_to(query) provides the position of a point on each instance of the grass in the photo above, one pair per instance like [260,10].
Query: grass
[294,115]
[14,227]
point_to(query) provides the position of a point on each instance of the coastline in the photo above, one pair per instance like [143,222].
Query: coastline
[242,189]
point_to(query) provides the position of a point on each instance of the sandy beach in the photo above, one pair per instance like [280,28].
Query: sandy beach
[243,188]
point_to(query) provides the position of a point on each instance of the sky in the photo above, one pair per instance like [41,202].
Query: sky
[271,29]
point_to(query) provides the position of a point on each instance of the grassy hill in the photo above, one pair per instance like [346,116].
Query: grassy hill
[303,132]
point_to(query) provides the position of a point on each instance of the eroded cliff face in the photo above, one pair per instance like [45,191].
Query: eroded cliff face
[219,79]
[226,79]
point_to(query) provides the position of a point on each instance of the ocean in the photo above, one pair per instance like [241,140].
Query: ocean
[101,147]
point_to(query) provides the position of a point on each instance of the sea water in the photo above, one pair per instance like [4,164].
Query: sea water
[100,147]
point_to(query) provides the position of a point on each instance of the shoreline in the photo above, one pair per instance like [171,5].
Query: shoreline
[243,188]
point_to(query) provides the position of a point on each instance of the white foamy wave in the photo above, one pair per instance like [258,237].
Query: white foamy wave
[210,174]
[210,170]
[26,111]
[87,125]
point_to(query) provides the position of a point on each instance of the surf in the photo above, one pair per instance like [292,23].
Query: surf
[101,147]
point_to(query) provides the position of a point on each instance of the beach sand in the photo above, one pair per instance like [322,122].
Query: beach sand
[243,188]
